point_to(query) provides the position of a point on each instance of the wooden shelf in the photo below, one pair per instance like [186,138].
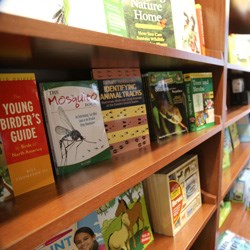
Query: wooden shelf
[188,234]
[237,67]
[239,158]
[238,221]
[40,214]
[28,42]
[236,113]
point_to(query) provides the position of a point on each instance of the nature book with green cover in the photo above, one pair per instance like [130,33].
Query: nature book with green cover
[200,100]
[166,103]
[75,124]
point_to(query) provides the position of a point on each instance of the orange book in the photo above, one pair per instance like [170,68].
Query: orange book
[24,156]
[200,28]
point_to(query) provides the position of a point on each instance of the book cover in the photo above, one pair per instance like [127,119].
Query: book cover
[74,124]
[199,15]
[173,195]
[229,240]
[238,47]
[200,100]
[243,126]
[150,21]
[234,135]
[84,234]
[115,20]
[124,221]
[89,16]
[166,103]
[185,26]
[24,157]
[123,108]
[227,141]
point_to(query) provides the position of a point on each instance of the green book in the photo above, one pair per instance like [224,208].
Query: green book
[200,100]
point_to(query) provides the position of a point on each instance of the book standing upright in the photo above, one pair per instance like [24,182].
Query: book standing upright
[75,124]
[24,157]
[123,108]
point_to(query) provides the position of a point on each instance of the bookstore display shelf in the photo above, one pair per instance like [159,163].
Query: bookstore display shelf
[35,220]
[239,158]
[29,42]
[185,238]
[238,221]
[236,113]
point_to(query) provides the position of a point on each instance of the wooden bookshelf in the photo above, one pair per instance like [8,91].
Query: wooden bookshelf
[45,48]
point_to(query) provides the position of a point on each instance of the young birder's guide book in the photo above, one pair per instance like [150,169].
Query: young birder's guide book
[75,124]
[24,156]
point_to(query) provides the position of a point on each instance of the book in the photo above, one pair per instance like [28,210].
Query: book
[24,156]
[167,23]
[84,234]
[200,100]
[238,49]
[229,240]
[243,126]
[123,108]
[199,15]
[75,124]
[124,221]
[225,209]
[150,21]
[166,103]
[173,195]
[234,135]
[227,141]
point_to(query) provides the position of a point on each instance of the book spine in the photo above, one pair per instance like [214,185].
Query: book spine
[190,110]
[200,28]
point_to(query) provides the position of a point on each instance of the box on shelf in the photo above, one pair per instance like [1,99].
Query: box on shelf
[173,195]
[200,100]
[75,124]
[24,155]
[166,103]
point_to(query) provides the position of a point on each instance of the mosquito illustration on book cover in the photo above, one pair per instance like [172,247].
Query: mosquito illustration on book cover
[75,124]
[70,137]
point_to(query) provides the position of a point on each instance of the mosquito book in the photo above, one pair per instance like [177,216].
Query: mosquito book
[124,109]
[75,124]
[24,156]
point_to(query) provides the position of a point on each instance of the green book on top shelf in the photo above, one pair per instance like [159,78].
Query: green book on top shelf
[200,100]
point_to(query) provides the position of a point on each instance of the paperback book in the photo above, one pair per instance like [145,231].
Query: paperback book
[123,108]
[124,221]
[84,234]
[234,135]
[75,124]
[150,21]
[200,100]
[166,104]
[24,156]
[173,195]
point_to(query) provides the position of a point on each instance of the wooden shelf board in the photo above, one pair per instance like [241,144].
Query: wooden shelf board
[41,43]
[239,158]
[188,234]
[235,113]
[38,215]
[238,221]
[237,67]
